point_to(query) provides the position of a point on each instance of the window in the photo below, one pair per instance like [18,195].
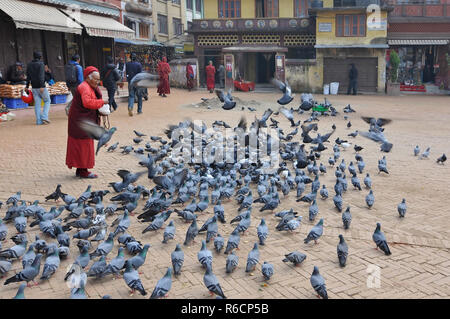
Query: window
[162,24]
[198,5]
[130,24]
[177,26]
[350,25]
[301,8]
[266,8]
[144,32]
[229,8]
[190,4]
[176,2]
[344,3]
[189,25]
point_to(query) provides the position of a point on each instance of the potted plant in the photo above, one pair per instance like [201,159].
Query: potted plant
[393,87]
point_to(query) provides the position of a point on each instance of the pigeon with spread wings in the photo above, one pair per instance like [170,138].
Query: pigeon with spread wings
[286,89]
[226,99]
[98,133]
[144,80]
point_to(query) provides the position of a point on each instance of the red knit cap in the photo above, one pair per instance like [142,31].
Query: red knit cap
[89,70]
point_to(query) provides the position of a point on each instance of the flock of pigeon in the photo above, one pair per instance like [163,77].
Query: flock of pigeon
[191,188]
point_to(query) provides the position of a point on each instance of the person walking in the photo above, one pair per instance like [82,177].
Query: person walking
[74,76]
[221,75]
[210,77]
[189,76]
[163,72]
[133,68]
[85,104]
[36,77]
[353,79]
[110,75]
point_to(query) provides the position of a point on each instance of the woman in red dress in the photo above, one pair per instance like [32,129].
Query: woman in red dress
[210,77]
[85,104]
[189,76]
[163,71]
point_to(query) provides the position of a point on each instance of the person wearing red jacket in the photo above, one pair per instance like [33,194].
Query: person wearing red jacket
[86,102]
[210,77]
[163,72]
[189,76]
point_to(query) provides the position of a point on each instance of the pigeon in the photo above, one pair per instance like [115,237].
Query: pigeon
[267,270]
[79,292]
[347,218]
[286,89]
[219,243]
[252,258]
[342,251]
[139,134]
[228,103]
[289,114]
[86,233]
[380,240]
[104,248]
[28,257]
[292,224]
[5,266]
[55,195]
[163,285]
[20,223]
[113,147]
[83,259]
[144,80]
[338,202]
[382,167]
[177,258]
[231,262]
[191,233]
[233,241]
[212,229]
[76,274]
[131,277]
[368,181]
[15,252]
[441,159]
[98,269]
[262,231]
[123,224]
[169,232]
[204,256]
[3,231]
[97,132]
[353,134]
[20,292]
[425,154]
[211,282]
[138,260]
[295,257]
[402,208]
[355,182]
[324,192]
[313,211]
[370,199]
[29,273]
[416,150]
[361,166]
[116,264]
[51,264]
[14,198]
[318,283]
[315,232]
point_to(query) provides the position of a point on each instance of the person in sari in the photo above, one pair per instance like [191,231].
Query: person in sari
[189,76]
[163,72]
[210,77]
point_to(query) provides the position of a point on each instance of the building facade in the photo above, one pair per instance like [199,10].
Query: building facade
[419,31]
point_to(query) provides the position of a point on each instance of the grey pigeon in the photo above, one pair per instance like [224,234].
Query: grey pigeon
[20,292]
[20,223]
[380,240]
[144,80]
[267,270]
[138,260]
[338,202]
[252,258]
[29,273]
[76,274]
[211,282]
[347,218]
[163,285]
[3,230]
[342,251]
[104,248]
[324,192]
[231,262]
[368,181]
[177,258]
[28,257]
[370,199]
[292,224]
[123,224]
[225,98]
[191,233]
[79,292]
[204,256]
[295,257]
[361,165]
[355,182]
[212,229]
[116,264]
[318,283]
[262,231]
[97,132]
[382,167]
[402,208]
[425,154]
[219,243]
[416,150]
[233,241]
[83,259]
[14,198]
[15,252]
[285,89]
[98,269]
[315,233]
[313,210]
[5,266]
[131,277]
[169,232]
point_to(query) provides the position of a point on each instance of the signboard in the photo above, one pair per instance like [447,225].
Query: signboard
[374,24]
[325,27]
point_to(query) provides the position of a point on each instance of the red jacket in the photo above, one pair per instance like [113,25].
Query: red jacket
[84,106]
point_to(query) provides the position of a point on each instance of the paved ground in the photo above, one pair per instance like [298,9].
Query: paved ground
[32,160]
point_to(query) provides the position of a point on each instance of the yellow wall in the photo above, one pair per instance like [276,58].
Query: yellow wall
[285,9]
[330,37]
[211,9]
[170,10]
[328,3]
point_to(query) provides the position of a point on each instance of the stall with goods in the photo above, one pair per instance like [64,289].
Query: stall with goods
[11,96]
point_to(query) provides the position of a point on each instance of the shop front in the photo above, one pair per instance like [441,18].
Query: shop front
[148,53]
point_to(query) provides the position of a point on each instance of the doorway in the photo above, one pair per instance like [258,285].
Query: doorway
[266,67]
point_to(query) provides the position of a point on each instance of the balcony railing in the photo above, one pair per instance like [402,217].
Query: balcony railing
[271,25]
[419,8]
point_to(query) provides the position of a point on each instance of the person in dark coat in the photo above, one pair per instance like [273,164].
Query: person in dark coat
[110,75]
[36,77]
[16,74]
[48,75]
[221,75]
[132,68]
[353,79]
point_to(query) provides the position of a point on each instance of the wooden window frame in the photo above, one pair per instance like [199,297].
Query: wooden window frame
[360,17]
[226,13]
[177,26]
[275,7]
[298,5]
[167,25]
[143,26]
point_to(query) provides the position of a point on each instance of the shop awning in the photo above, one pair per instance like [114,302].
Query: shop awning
[351,46]
[255,49]
[98,26]
[138,42]
[418,42]
[36,16]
